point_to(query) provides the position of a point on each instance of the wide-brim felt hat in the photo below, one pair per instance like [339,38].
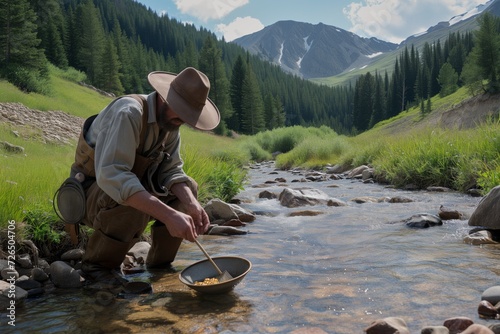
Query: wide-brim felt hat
[187,94]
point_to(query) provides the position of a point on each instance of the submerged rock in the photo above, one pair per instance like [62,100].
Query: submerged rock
[388,325]
[293,198]
[423,220]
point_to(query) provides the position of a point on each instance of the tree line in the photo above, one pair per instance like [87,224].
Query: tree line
[465,59]
[116,43]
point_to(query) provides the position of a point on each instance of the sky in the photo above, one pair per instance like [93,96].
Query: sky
[388,20]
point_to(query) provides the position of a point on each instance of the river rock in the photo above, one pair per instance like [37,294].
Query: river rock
[243,215]
[435,330]
[305,213]
[439,189]
[458,324]
[400,199]
[487,310]
[495,328]
[39,275]
[224,230]
[477,329]
[492,294]
[28,284]
[267,195]
[423,220]
[367,174]
[140,250]
[308,330]
[8,273]
[73,255]
[337,169]
[64,276]
[481,237]
[388,325]
[217,209]
[24,261]
[449,214]
[487,211]
[293,198]
[357,172]
[367,199]
[10,292]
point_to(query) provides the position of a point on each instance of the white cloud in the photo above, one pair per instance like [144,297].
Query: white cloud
[394,20]
[207,10]
[239,27]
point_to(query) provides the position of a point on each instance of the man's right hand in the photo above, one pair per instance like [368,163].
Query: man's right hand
[178,224]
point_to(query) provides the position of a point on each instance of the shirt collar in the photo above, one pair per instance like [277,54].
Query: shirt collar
[151,98]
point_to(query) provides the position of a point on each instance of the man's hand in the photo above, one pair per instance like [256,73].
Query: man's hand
[192,207]
[200,217]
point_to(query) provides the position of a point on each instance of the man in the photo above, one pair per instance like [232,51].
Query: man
[129,155]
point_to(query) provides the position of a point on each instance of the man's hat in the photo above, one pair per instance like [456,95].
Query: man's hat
[187,94]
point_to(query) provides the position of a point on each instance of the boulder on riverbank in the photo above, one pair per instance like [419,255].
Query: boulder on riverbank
[487,213]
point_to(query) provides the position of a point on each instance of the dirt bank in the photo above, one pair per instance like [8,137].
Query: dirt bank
[47,126]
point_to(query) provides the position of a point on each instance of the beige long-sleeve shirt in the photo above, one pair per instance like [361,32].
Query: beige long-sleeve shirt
[115,133]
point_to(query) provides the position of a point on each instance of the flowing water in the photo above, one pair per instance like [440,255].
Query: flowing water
[338,271]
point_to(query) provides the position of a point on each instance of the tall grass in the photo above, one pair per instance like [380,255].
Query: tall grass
[454,159]
[217,171]
[29,179]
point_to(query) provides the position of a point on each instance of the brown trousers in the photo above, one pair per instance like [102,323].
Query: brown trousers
[118,227]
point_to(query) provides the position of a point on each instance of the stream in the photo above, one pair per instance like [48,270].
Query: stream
[338,270]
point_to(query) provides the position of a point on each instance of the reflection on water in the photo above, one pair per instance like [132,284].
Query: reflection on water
[338,271]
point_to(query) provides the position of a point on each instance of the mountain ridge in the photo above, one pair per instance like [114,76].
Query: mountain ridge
[319,51]
[311,50]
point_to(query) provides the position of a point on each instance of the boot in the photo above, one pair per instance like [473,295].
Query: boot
[103,254]
[164,247]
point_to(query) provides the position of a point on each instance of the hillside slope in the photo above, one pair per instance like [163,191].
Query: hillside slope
[464,115]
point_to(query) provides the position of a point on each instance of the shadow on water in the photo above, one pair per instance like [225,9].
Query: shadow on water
[338,271]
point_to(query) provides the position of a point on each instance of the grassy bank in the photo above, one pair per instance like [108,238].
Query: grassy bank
[407,149]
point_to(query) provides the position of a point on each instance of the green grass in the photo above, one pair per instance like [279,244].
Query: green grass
[30,179]
[66,95]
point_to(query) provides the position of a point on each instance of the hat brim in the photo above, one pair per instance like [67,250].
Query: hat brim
[207,119]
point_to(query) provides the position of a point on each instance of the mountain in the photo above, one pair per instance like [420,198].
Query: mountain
[312,51]
[322,51]
[464,22]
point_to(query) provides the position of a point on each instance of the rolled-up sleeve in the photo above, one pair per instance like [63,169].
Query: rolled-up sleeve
[117,139]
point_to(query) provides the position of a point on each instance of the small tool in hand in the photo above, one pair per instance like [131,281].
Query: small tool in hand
[223,276]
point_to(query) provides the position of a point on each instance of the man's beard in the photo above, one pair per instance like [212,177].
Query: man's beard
[165,124]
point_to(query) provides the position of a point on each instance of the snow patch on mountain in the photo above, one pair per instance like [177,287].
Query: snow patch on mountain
[373,55]
[281,52]
[477,10]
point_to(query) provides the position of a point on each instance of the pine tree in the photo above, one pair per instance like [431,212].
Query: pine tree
[236,93]
[91,40]
[211,64]
[448,79]
[488,49]
[109,77]
[252,107]
[363,102]
[51,30]
[22,62]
